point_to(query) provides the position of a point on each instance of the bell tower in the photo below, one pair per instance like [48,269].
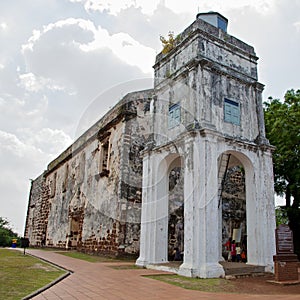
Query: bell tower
[208,116]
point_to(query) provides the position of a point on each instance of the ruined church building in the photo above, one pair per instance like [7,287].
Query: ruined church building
[182,166]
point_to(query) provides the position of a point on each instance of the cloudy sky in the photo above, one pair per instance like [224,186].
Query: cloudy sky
[58,56]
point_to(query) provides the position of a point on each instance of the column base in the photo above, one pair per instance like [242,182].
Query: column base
[208,270]
[141,262]
[269,268]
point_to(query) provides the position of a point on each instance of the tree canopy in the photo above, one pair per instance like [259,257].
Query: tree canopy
[6,233]
[282,121]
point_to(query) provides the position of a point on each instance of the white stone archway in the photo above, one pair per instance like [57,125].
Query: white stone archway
[202,211]
[259,206]
[155,210]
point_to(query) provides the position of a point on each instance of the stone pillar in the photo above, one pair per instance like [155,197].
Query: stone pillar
[146,220]
[261,138]
[154,216]
[260,209]
[201,228]
[266,209]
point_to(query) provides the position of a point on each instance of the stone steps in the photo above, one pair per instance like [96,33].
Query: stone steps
[232,269]
[239,270]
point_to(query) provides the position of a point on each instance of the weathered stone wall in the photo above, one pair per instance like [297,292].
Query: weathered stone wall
[136,134]
[94,187]
[37,213]
[88,197]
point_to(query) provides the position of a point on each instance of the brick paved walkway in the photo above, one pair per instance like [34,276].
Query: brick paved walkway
[99,281]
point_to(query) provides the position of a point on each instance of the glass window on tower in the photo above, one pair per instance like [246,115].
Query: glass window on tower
[174,115]
[231,111]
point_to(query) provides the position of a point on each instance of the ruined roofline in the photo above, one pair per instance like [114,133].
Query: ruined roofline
[115,114]
[204,28]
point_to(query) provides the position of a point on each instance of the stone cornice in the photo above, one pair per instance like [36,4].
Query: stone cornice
[210,133]
[211,66]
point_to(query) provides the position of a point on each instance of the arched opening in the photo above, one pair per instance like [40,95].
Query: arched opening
[176,215]
[232,202]
[169,209]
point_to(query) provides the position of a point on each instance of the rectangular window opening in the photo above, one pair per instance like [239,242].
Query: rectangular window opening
[174,115]
[231,111]
[104,157]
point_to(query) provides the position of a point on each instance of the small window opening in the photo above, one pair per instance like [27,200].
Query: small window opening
[174,115]
[231,112]
[53,185]
[104,155]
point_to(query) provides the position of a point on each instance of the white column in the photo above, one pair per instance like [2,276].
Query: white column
[161,213]
[154,215]
[146,216]
[201,256]
[191,218]
[261,213]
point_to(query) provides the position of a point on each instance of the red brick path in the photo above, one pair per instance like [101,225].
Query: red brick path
[99,281]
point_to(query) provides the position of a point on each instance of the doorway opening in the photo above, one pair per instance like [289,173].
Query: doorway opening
[233,207]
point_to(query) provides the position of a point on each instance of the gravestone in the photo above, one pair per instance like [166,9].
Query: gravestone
[285,261]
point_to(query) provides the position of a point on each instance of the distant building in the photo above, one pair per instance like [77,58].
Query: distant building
[182,166]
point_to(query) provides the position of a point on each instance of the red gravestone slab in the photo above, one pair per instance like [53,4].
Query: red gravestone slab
[285,261]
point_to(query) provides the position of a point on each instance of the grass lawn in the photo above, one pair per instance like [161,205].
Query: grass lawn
[93,258]
[20,275]
[213,285]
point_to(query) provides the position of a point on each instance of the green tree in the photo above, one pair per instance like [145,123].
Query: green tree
[282,121]
[6,233]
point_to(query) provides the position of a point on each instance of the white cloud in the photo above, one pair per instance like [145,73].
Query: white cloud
[262,6]
[31,83]
[297,25]
[121,44]
[124,47]
[46,140]
[85,25]
[3,25]
[26,111]
[34,145]
[36,34]
[10,143]
[148,7]
[113,7]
